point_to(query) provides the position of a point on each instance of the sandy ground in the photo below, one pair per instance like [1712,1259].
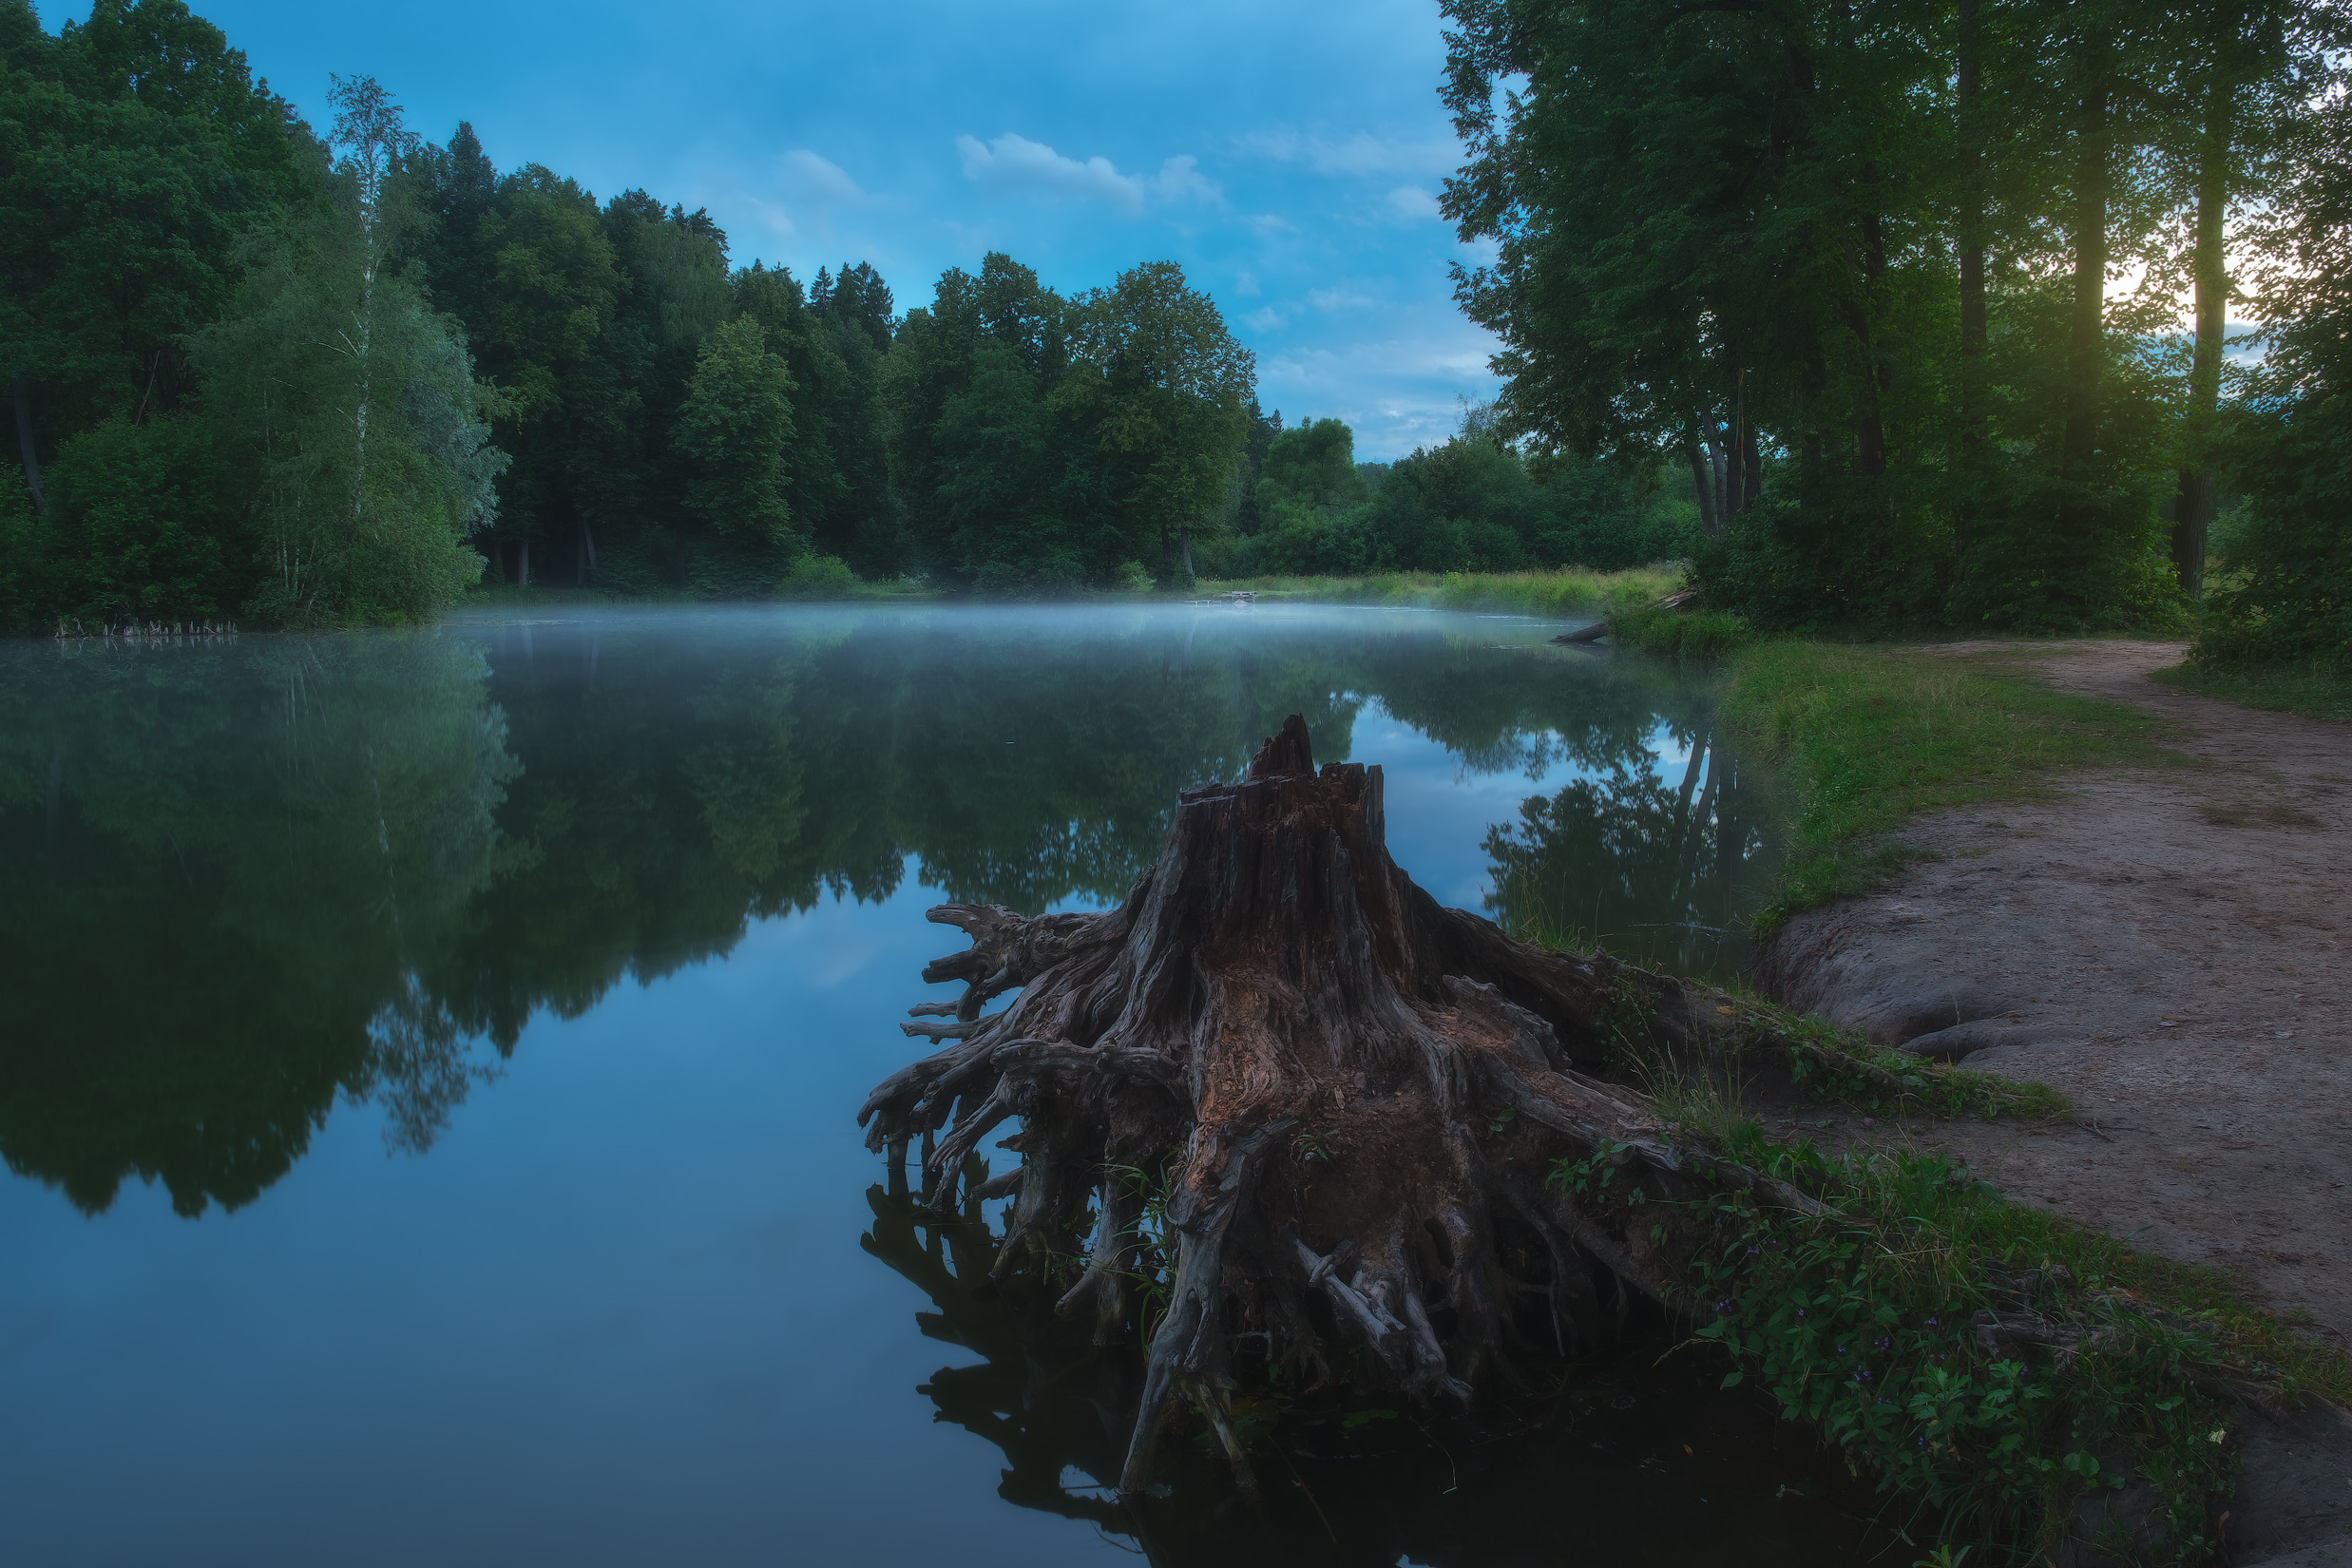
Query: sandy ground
[2167,949]
[2170,950]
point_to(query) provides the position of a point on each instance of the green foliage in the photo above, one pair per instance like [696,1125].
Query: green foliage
[127,540]
[1681,633]
[1472,504]
[241,415]
[356,429]
[1849,268]
[1860,1323]
[736,430]
[1869,738]
[1040,443]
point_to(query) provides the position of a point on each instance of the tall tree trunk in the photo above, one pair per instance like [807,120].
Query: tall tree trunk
[2087,342]
[1184,546]
[1709,524]
[2192,512]
[1736,491]
[1864,314]
[1971,237]
[523,564]
[1751,467]
[367,300]
[1972,321]
[24,447]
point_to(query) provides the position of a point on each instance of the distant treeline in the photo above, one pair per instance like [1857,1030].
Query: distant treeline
[265,376]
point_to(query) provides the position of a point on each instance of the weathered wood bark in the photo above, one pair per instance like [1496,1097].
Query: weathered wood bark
[1356,1096]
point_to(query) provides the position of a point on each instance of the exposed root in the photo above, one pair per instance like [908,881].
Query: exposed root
[1356,1098]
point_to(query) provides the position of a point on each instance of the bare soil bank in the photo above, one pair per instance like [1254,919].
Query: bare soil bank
[2170,950]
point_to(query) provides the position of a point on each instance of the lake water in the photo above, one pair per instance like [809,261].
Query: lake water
[427,1063]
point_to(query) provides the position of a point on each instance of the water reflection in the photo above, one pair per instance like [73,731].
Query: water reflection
[617,1315]
[1629,1456]
[1658,868]
[223,869]
[238,881]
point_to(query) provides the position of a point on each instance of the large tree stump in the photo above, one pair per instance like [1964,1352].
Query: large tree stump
[1356,1097]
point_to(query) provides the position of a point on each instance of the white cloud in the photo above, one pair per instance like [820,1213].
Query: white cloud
[1245,286]
[1180,180]
[1360,154]
[1012,162]
[1413,203]
[1338,299]
[1015,163]
[818,179]
[1266,317]
[1266,226]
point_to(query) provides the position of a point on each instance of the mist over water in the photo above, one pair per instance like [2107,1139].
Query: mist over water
[428,1064]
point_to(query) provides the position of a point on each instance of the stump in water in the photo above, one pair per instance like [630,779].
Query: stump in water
[1357,1096]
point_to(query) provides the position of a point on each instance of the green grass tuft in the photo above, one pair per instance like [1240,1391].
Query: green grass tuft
[1707,635]
[1868,738]
[2315,691]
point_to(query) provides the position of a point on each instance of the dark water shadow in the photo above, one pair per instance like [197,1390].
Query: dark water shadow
[1630,1453]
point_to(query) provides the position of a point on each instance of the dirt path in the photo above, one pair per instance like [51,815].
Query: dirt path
[2171,950]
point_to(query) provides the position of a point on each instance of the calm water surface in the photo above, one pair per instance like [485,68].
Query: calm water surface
[427,1060]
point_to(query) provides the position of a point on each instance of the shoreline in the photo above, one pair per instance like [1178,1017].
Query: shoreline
[2169,949]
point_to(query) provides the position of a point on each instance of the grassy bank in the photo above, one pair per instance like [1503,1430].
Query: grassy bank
[1868,1322]
[1565,595]
[2011,1377]
[2007,1377]
[1868,737]
[2311,690]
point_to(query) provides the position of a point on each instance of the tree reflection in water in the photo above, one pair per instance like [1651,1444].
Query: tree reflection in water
[1657,866]
[239,881]
[1632,1455]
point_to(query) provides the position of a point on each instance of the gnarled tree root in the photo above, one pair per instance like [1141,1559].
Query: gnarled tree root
[1354,1095]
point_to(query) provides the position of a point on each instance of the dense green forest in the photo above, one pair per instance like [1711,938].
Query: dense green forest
[1900,283]
[265,374]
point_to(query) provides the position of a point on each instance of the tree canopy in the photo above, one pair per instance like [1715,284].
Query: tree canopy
[1859,269]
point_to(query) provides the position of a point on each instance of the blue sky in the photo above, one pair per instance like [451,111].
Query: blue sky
[1288,156]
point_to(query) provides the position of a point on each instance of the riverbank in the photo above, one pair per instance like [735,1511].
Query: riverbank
[2039,861]
[1569,593]
[1566,594]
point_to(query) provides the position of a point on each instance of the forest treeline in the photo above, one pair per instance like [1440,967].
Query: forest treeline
[1900,284]
[283,377]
